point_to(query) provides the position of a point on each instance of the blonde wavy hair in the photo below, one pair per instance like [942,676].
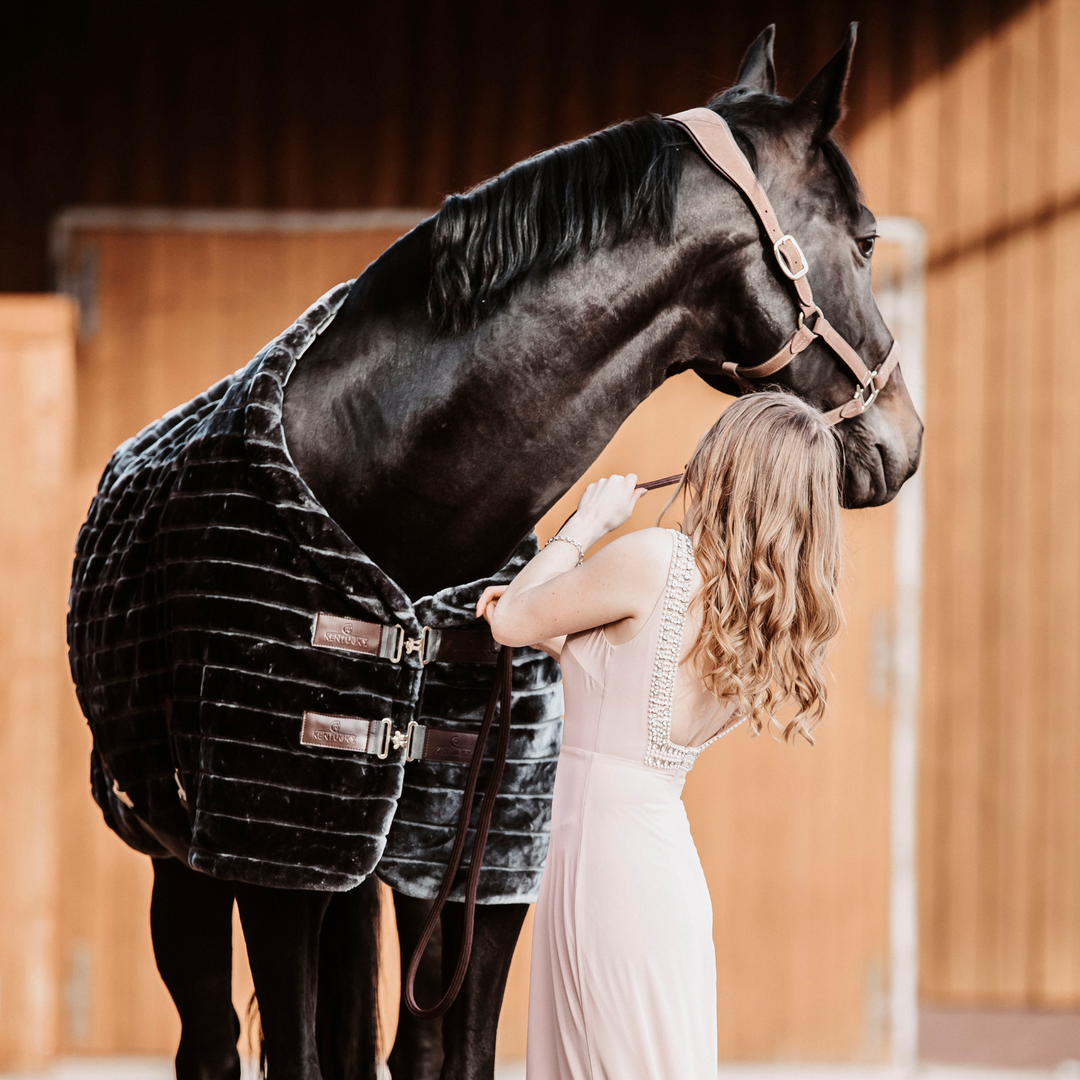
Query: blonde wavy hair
[763,488]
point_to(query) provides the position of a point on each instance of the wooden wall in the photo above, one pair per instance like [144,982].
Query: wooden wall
[37,399]
[354,103]
[984,152]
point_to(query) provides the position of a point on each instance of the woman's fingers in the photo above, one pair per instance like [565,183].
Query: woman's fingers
[611,501]
[485,606]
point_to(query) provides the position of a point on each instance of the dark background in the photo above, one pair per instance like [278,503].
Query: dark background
[330,105]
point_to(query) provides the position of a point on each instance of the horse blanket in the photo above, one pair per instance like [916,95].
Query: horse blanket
[197,575]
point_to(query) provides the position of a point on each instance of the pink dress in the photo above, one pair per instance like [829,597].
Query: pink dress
[623,980]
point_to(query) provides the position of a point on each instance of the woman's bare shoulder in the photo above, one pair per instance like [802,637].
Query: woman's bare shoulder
[645,549]
[636,565]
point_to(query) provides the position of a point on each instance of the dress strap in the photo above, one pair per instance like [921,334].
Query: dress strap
[661,752]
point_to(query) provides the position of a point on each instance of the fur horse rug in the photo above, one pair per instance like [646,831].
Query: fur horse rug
[198,574]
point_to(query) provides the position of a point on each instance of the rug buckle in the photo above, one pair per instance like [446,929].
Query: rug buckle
[380,733]
[412,739]
[399,645]
[419,645]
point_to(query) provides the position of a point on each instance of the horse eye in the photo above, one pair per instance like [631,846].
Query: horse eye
[866,245]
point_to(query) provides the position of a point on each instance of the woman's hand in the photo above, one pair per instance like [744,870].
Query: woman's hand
[606,504]
[553,596]
[485,606]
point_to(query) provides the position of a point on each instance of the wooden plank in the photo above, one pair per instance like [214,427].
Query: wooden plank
[874,156]
[920,115]
[1044,92]
[1061,945]
[962,608]
[1002,703]
[1022,731]
[37,369]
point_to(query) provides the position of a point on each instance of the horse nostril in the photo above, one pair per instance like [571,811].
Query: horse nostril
[882,479]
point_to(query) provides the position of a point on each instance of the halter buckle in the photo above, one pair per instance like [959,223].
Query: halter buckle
[785,261]
[871,386]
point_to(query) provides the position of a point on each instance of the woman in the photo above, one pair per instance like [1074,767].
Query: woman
[668,640]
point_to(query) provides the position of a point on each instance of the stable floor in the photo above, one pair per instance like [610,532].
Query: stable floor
[129,1068]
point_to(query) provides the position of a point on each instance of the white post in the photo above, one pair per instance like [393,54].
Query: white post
[904,310]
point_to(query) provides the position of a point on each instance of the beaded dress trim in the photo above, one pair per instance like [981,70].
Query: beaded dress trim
[661,752]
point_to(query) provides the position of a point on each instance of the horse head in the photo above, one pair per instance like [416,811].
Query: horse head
[537,310]
[813,190]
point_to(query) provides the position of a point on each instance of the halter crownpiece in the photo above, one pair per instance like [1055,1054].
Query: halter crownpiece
[713,138]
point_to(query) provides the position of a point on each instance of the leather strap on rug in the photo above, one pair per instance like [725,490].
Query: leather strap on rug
[500,695]
[449,646]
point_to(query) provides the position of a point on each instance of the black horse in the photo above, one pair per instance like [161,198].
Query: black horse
[474,372]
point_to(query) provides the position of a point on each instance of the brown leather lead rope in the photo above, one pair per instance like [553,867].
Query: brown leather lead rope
[500,694]
[648,485]
[666,481]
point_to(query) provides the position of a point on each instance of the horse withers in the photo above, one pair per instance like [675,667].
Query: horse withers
[433,411]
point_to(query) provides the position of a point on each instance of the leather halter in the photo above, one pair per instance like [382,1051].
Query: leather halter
[713,138]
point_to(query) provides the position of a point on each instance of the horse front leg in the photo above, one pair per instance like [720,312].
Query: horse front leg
[470,1024]
[281,928]
[191,929]
[417,1053]
[347,1015]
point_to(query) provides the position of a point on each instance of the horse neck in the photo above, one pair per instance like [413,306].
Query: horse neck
[438,454]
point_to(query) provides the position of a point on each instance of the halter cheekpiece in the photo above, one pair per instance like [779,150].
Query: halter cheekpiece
[713,138]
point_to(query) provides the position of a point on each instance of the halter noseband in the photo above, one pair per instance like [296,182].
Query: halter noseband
[713,138]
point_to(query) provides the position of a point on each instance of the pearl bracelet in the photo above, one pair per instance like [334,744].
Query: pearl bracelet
[567,540]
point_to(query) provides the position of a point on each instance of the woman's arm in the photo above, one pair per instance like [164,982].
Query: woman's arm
[485,609]
[553,596]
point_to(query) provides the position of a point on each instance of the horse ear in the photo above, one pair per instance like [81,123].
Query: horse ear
[757,70]
[821,103]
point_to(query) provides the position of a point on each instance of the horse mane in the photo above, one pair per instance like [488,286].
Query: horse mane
[850,191]
[605,189]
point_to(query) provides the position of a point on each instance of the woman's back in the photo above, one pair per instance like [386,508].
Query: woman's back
[634,700]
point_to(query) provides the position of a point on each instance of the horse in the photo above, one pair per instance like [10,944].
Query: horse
[467,380]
